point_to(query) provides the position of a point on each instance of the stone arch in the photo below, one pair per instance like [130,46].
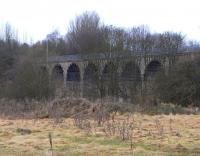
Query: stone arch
[152,69]
[58,73]
[131,72]
[130,80]
[90,81]
[90,72]
[110,79]
[108,70]
[73,73]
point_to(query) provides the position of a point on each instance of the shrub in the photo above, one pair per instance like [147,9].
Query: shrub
[30,81]
[181,86]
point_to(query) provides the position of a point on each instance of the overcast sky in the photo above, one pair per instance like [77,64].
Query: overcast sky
[36,18]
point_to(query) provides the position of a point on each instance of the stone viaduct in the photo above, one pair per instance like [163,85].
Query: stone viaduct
[127,66]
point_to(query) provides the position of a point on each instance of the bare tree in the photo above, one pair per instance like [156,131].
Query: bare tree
[8,49]
[193,46]
[85,34]
[56,43]
[139,39]
[170,42]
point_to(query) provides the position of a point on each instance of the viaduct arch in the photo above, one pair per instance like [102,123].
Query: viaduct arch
[137,69]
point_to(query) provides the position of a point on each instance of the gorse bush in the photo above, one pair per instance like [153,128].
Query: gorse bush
[182,84]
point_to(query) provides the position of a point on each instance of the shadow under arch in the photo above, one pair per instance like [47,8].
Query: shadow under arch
[58,74]
[91,81]
[109,80]
[90,72]
[73,79]
[130,80]
[152,69]
[73,73]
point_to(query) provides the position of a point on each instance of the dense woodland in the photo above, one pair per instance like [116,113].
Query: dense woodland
[21,76]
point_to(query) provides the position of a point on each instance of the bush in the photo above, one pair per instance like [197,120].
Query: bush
[30,81]
[181,86]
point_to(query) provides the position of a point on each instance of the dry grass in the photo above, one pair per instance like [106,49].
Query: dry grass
[152,135]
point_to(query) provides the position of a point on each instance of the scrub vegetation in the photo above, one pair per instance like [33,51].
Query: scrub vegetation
[38,116]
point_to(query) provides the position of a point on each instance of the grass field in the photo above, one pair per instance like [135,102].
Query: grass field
[152,135]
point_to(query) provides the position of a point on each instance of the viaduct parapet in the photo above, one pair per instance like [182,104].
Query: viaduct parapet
[127,66]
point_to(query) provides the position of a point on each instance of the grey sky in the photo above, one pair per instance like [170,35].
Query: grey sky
[36,18]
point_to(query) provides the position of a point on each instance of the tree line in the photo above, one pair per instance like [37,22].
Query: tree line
[87,34]
[21,76]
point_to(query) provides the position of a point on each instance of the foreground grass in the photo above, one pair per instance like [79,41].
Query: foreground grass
[175,135]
